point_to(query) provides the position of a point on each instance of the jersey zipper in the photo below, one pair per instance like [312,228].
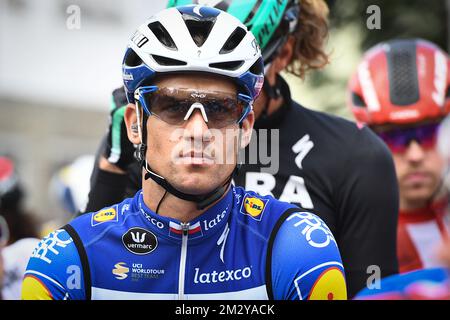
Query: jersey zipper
[184,241]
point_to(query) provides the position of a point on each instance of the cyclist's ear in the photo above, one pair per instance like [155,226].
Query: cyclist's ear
[131,121]
[247,128]
[284,56]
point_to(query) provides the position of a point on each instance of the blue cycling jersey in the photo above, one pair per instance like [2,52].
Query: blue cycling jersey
[245,246]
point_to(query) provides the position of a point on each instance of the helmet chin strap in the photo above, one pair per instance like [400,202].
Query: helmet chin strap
[272,92]
[203,200]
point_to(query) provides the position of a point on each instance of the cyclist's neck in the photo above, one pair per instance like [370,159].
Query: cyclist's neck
[260,105]
[413,206]
[263,103]
[171,206]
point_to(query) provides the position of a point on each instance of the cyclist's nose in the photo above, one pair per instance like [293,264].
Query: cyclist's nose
[414,152]
[196,127]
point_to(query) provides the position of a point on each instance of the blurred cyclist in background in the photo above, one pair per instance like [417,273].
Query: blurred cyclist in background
[20,230]
[326,164]
[68,191]
[12,205]
[444,149]
[423,284]
[401,91]
[4,236]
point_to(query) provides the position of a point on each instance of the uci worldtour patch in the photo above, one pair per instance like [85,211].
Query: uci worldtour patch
[139,241]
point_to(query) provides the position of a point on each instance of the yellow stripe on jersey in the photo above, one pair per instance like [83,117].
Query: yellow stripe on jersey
[34,289]
[330,285]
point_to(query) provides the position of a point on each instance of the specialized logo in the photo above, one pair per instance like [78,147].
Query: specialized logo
[440,78]
[253,207]
[105,215]
[404,114]
[330,285]
[369,92]
[223,240]
[264,33]
[196,10]
[121,270]
[139,241]
[139,39]
[237,196]
[315,230]
[302,147]
[125,207]
[255,46]
[223,276]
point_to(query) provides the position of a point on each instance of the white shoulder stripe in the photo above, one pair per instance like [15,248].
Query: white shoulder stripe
[46,277]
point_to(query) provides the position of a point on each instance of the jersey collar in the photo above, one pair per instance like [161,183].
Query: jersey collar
[208,223]
[435,209]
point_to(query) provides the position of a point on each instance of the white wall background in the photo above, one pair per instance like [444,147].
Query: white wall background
[41,59]
[56,83]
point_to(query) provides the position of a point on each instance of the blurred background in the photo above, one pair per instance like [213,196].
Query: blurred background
[60,60]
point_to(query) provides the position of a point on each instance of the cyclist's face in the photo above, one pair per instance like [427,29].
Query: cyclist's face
[419,168]
[418,172]
[193,157]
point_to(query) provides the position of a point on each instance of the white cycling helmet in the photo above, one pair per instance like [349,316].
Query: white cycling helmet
[193,38]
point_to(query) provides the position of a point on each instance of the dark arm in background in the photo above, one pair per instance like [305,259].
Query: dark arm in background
[368,202]
[116,173]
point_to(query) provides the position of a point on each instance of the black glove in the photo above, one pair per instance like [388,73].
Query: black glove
[118,149]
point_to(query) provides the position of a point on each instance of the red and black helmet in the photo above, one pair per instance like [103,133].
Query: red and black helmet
[401,82]
[11,192]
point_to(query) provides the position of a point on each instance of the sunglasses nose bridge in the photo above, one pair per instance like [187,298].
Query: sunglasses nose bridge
[196,106]
[196,126]
[414,151]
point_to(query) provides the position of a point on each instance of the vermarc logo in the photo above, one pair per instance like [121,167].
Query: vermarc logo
[139,241]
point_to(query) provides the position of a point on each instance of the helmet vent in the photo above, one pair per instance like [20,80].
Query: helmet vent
[403,79]
[162,35]
[199,30]
[257,67]
[253,12]
[164,61]
[357,100]
[229,65]
[132,59]
[233,40]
